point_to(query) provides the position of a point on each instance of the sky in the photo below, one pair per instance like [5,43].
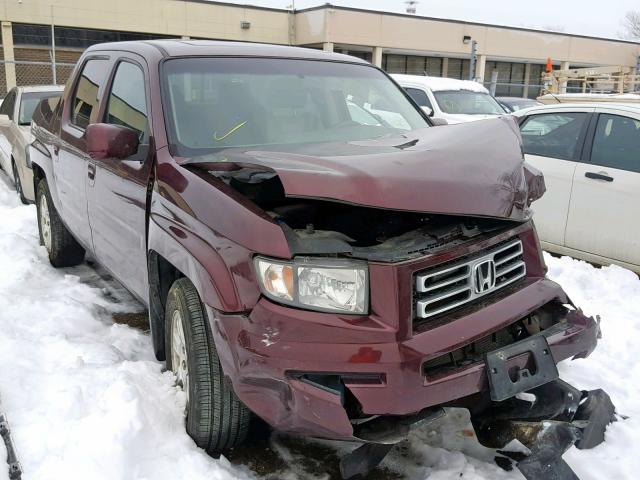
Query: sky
[601,18]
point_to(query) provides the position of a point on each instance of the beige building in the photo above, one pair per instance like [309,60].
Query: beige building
[396,42]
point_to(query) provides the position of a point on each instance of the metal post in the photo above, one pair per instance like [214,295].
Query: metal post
[53,49]
[473,59]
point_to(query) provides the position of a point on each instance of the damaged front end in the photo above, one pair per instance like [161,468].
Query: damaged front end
[425,215]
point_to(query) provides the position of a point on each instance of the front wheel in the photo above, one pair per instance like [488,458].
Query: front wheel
[63,249]
[216,419]
[18,184]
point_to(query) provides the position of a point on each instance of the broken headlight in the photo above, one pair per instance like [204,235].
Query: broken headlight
[326,285]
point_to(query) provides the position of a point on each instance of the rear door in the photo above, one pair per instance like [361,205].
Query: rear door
[71,162]
[117,195]
[604,215]
[553,143]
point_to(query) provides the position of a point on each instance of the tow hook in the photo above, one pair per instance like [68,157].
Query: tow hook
[530,431]
[15,470]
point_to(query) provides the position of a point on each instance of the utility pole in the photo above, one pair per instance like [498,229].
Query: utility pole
[473,60]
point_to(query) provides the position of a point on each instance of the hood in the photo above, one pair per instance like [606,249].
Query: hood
[474,169]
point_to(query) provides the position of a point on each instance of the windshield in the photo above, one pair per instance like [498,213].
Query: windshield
[214,103]
[467,102]
[29,102]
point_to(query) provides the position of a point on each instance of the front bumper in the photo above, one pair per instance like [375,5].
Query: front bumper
[266,354]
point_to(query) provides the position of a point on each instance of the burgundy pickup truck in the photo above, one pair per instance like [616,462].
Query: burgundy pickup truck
[310,248]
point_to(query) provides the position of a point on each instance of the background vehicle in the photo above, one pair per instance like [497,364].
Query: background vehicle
[512,104]
[302,238]
[590,157]
[15,117]
[453,100]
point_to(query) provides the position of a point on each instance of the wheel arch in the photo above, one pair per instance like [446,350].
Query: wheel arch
[173,254]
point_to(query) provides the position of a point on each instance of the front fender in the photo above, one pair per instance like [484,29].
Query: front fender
[194,258]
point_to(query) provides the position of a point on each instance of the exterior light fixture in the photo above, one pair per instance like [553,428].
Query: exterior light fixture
[466,39]
[244,25]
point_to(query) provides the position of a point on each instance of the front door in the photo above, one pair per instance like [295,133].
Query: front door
[117,196]
[72,163]
[604,216]
[552,143]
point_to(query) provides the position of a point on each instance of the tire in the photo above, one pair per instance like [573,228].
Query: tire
[18,184]
[63,249]
[216,419]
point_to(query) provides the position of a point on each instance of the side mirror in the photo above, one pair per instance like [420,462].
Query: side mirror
[428,111]
[111,141]
[4,120]
[437,121]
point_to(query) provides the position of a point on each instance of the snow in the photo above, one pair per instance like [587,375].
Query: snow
[439,83]
[87,400]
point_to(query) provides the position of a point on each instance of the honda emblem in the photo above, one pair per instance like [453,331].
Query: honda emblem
[484,276]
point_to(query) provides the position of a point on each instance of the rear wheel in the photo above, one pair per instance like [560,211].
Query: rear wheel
[18,183]
[63,249]
[216,419]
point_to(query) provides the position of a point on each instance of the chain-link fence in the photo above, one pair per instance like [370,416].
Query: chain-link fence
[34,73]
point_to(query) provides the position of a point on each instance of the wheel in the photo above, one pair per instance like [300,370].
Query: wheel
[216,419]
[18,184]
[63,249]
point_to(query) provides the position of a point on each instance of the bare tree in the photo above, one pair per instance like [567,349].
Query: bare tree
[631,24]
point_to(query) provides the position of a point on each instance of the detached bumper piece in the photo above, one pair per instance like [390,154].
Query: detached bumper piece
[533,432]
[530,432]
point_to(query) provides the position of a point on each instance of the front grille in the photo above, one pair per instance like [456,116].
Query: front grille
[444,288]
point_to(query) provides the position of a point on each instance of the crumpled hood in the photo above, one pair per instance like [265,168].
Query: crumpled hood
[474,169]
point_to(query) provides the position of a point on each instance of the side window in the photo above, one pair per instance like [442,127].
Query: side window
[8,104]
[419,96]
[616,143]
[553,135]
[127,102]
[85,98]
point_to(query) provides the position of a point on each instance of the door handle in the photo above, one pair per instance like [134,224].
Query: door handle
[91,171]
[599,176]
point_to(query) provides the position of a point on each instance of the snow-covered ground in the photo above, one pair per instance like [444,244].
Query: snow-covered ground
[86,399]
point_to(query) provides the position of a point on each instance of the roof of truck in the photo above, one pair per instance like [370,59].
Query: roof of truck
[181,48]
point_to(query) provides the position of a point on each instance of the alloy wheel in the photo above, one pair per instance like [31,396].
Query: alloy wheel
[45,223]
[179,364]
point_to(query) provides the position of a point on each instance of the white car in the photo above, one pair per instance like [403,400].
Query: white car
[15,119]
[590,157]
[448,99]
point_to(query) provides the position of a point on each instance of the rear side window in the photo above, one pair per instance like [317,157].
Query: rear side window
[127,101]
[616,143]
[85,99]
[553,135]
[419,96]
